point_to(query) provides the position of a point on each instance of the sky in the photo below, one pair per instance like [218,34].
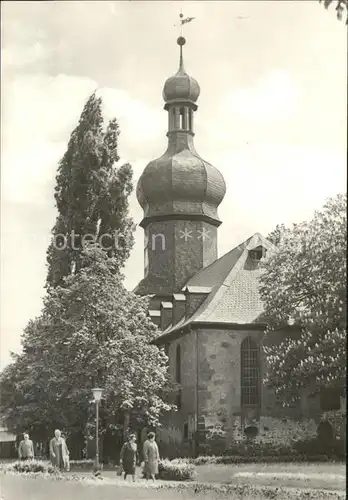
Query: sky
[271,115]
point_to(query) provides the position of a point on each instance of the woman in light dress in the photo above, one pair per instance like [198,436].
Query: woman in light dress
[59,453]
[151,456]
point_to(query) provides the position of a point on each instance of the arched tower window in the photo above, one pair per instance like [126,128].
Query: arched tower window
[250,373]
[172,119]
[190,116]
[182,118]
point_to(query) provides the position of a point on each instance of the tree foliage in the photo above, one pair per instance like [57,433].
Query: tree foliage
[91,196]
[304,285]
[341,7]
[91,331]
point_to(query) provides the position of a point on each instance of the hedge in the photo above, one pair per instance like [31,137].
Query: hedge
[225,459]
[176,470]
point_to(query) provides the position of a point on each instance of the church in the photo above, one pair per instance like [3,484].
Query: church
[208,309]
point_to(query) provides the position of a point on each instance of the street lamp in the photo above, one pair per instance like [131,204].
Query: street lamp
[97,394]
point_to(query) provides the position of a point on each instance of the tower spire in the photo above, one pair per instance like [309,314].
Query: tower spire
[181,41]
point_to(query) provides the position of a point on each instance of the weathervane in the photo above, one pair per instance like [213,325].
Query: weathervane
[183,20]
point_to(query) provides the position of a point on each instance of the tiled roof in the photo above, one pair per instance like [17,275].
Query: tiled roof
[235,297]
[237,301]
[217,271]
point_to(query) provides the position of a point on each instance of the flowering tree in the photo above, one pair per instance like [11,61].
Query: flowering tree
[91,332]
[304,285]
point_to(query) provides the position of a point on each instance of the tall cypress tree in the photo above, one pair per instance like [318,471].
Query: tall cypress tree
[91,196]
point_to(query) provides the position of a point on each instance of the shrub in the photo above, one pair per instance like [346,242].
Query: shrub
[317,446]
[204,460]
[176,470]
[30,466]
[251,431]
[179,469]
[86,461]
[252,448]
[261,459]
[81,464]
[180,461]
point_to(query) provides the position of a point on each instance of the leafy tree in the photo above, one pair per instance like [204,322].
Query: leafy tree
[91,196]
[91,331]
[304,285]
[275,236]
[341,7]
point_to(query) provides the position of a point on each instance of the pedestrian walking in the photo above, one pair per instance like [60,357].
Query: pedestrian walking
[151,456]
[128,458]
[26,448]
[59,453]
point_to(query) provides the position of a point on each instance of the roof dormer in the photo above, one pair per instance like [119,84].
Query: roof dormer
[257,253]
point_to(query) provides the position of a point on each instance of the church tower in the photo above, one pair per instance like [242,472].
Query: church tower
[179,193]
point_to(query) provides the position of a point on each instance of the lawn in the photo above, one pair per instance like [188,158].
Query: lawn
[28,488]
[330,476]
[256,482]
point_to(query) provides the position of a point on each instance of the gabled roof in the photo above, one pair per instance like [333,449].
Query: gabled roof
[234,298]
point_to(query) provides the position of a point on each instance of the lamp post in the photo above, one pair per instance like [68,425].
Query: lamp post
[97,394]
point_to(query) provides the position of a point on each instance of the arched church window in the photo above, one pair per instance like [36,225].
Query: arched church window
[250,373]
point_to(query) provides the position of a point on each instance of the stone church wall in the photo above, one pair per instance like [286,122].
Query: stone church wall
[219,377]
[176,435]
[215,356]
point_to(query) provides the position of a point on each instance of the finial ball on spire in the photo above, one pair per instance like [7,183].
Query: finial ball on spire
[181,40]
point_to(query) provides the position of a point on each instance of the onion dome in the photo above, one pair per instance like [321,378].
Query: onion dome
[181,184]
[181,86]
